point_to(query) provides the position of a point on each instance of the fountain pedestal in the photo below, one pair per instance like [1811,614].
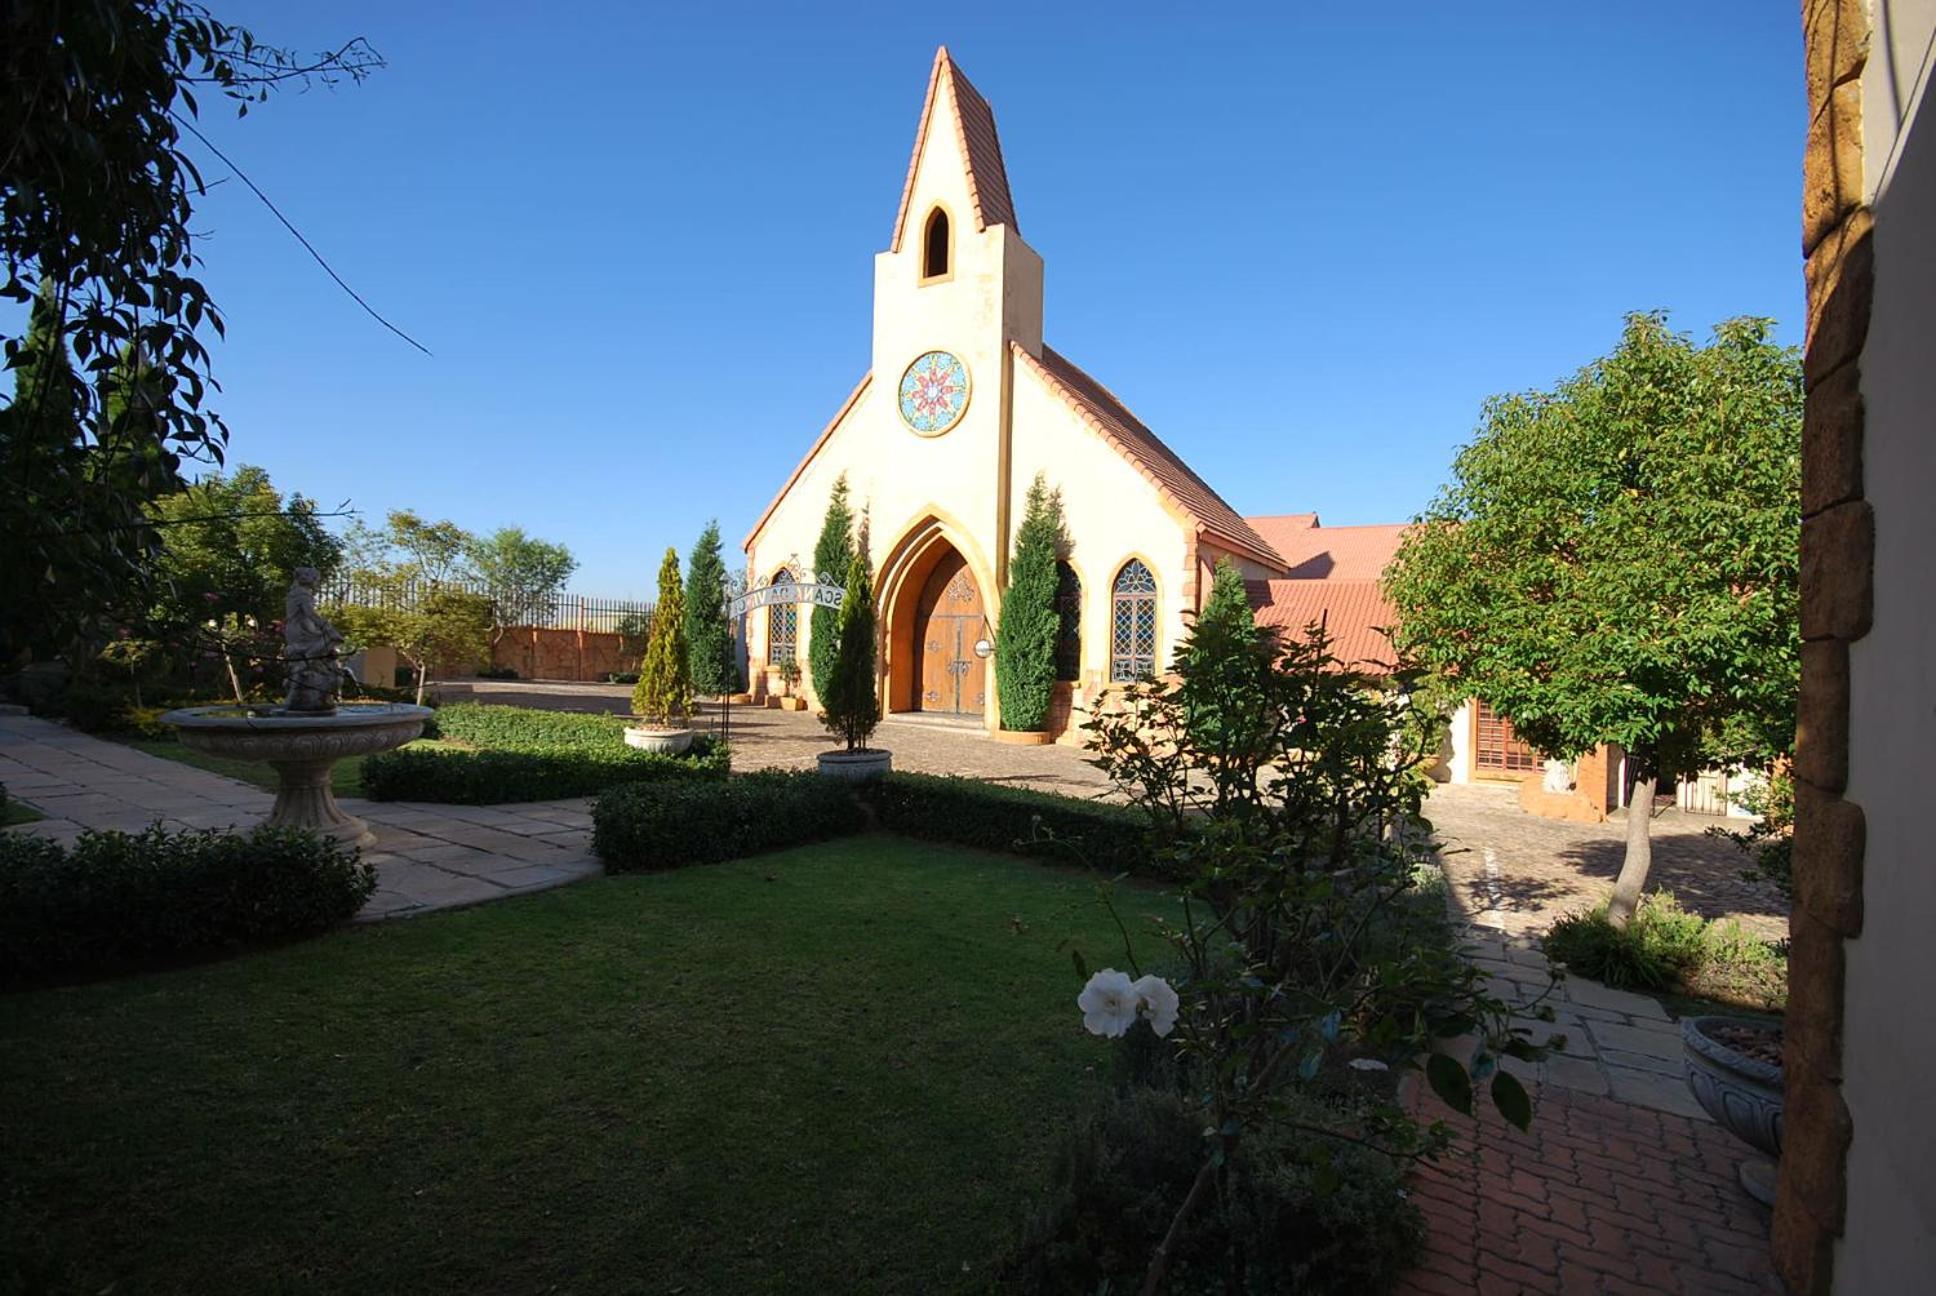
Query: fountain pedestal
[303,747]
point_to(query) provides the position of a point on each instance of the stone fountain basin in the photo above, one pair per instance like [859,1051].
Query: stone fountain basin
[302,747]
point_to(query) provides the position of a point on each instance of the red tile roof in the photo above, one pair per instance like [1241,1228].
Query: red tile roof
[974,124]
[1353,612]
[1172,477]
[1315,552]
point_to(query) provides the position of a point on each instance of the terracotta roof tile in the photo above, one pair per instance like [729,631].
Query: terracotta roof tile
[974,125]
[1352,611]
[1314,552]
[1146,451]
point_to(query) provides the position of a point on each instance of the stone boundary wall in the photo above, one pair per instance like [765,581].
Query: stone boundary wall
[544,653]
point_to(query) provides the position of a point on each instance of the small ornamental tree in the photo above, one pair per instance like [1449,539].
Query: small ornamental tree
[852,698]
[709,639]
[664,691]
[832,554]
[1616,561]
[1225,706]
[1026,638]
[524,575]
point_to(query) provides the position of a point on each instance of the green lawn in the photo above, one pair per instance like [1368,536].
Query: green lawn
[18,812]
[832,1069]
[346,779]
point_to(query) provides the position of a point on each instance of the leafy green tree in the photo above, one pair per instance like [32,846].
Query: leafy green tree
[1225,672]
[96,207]
[1026,638]
[664,690]
[523,575]
[852,699]
[405,590]
[1616,561]
[709,639]
[832,554]
[230,545]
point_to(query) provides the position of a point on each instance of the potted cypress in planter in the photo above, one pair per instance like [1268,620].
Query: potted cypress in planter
[789,679]
[853,697]
[1025,639]
[663,697]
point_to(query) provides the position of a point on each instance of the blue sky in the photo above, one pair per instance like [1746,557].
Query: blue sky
[1304,245]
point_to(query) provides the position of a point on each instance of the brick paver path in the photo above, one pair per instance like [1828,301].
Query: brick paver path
[1598,1198]
[427,857]
[1528,871]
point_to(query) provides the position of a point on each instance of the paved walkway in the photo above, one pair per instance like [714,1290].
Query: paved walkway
[427,857]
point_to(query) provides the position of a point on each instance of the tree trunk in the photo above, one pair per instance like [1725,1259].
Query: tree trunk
[235,681]
[422,670]
[1640,845]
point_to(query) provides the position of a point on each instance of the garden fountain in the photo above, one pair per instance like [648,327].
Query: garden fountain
[304,737]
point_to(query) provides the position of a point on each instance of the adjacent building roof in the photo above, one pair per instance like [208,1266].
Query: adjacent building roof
[1173,478]
[981,148]
[1315,552]
[1352,612]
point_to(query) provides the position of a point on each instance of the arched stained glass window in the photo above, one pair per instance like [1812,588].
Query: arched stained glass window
[1132,624]
[782,626]
[1068,611]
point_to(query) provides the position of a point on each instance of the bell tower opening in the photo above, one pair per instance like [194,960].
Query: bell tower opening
[934,247]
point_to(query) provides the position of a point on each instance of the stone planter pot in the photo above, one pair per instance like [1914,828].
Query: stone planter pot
[793,704]
[1023,737]
[856,766]
[1743,1094]
[666,742]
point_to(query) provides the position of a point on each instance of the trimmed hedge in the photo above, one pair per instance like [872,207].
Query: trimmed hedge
[117,900]
[524,754]
[669,825]
[967,812]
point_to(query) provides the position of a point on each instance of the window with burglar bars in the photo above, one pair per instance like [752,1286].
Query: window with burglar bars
[782,626]
[1496,747]
[1132,640]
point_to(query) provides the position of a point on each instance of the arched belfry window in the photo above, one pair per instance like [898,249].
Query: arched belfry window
[934,246]
[1132,624]
[782,626]
[1068,612]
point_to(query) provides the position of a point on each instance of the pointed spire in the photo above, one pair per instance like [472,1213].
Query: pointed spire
[981,150]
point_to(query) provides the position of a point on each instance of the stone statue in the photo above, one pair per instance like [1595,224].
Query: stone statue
[309,646]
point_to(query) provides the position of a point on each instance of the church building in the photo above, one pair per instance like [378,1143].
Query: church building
[963,405]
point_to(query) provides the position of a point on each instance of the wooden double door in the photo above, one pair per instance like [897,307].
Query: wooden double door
[948,620]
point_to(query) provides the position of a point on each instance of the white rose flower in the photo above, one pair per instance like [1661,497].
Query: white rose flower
[1108,1003]
[1158,1002]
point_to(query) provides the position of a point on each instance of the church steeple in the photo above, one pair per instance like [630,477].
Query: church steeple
[966,116]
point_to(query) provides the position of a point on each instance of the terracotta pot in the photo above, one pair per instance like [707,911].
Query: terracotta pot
[667,742]
[1024,737]
[858,765]
[793,704]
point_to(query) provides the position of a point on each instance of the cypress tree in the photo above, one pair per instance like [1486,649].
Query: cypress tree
[664,691]
[1025,640]
[852,698]
[709,639]
[831,556]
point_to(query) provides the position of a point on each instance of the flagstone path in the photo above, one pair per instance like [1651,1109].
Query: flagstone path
[427,857]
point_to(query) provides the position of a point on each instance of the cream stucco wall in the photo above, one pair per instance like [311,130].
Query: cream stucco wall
[991,297]
[1889,1050]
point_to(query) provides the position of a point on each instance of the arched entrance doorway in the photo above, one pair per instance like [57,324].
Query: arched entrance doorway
[948,621]
[935,614]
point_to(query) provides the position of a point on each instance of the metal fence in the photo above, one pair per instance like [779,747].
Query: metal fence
[564,612]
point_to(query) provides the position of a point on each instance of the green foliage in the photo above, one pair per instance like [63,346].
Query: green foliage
[1616,561]
[670,825]
[404,579]
[633,629]
[833,552]
[1665,947]
[522,574]
[1025,641]
[1294,823]
[1302,1214]
[994,817]
[96,214]
[709,639]
[117,900]
[852,694]
[524,754]
[664,692]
